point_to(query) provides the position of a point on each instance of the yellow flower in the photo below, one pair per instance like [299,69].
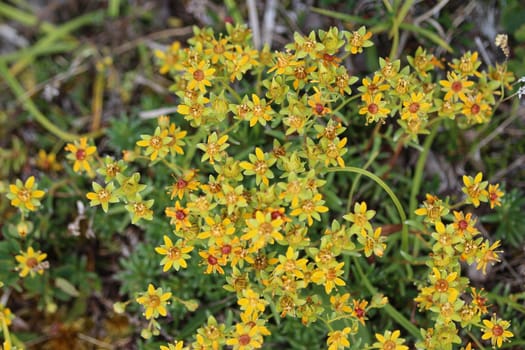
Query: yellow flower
[433,209]
[262,230]
[102,196]
[31,262]
[310,208]
[215,148]
[475,189]
[496,331]
[6,315]
[467,64]
[176,142]
[464,223]
[443,286]
[184,184]
[390,341]
[372,87]
[47,161]
[487,254]
[357,40]
[213,260]
[359,310]
[260,111]
[290,264]
[455,87]
[199,76]
[374,108]
[373,242]
[176,255]
[170,59]
[476,109]
[416,106]
[140,210]
[155,301]
[193,110]
[328,274]
[157,145]
[179,216]
[360,218]
[318,104]
[178,345]
[494,196]
[259,164]
[284,62]
[81,153]
[245,337]
[251,302]
[340,303]
[216,229]
[338,339]
[24,196]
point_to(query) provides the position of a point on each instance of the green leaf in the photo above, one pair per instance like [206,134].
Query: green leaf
[66,287]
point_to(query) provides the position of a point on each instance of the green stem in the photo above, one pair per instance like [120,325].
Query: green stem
[355,183]
[396,315]
[29,106]
[418,175]
[388,190]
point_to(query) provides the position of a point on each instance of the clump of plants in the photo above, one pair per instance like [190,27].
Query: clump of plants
[251,202]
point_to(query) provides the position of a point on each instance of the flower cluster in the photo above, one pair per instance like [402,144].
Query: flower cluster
[251,214]
[447,294]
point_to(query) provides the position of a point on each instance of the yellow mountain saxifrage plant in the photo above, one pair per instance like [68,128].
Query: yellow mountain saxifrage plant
[270,129]
[28,262]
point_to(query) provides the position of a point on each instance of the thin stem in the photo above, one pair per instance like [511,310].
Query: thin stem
[418,175]
[388,190]
[29,106]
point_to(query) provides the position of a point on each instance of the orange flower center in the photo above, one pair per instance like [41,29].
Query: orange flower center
[359,312]
[174,253]
[226,249]
[493,196]
[80,154]
[441,285]
[31,262]
[389,345]
[155,142]
[373,108]
[139,209]
[180,214]
[112,170]
[331,274]
[103,195]
[308,206]
[319,108]
[462,224]
[475,109]
[414,107]
[154,301]
[497,330]
[266,229]
[212,260]
[24,195]
[260,167]
[198,75]
[456,86]
[244,340]
[218,49]
[181,183]
[300,72]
